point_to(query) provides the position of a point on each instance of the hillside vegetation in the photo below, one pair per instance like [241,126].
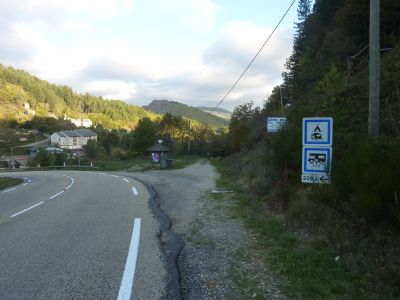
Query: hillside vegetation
[356,219]
[17,87]
[179,109]
[217,111]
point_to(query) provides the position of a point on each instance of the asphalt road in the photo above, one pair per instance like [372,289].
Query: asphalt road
[79,235]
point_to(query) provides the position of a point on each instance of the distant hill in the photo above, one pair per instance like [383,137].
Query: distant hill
[219,112]
[23,95]
[180,109]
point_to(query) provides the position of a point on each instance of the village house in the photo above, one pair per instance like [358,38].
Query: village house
[72,139]
[27,109]
[80,122]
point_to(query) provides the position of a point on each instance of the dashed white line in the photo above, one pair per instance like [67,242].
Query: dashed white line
[26,183]
[9,190]
[125,289]
[68,187]
[58,194]
[102,173]
[22,211]
[134,191]
[115,176]
[126,180]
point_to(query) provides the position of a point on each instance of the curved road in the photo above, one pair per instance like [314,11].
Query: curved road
[80,235]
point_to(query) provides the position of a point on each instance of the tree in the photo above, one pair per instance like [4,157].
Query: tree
[143,136]
[91,150]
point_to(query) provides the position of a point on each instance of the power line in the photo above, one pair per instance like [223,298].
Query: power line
[254,58]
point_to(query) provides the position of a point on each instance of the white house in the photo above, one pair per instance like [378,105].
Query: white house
[72,139]
[80,122]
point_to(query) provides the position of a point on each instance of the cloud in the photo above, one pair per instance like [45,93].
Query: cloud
[196,80]
[19,42]
[56,41]
[112,89]
[202,14]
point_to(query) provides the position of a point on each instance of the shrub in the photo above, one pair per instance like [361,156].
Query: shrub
[367,176]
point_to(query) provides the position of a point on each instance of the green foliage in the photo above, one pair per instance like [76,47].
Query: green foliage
[368,176]
[43,158]
[17,86]
[180,109]
[144,136]
[306,271]
[6,182]
[91,150]
[48,125]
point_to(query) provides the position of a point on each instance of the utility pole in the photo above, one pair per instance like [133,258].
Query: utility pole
[188,143]
[374,69]
[280,90]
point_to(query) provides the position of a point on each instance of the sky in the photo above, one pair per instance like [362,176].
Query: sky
[191,51]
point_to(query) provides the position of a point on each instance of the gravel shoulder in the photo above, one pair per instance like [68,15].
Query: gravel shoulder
[220,259]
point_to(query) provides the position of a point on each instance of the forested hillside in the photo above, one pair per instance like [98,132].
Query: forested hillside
[219,112]
[17,87]
[358,215]
[179,109]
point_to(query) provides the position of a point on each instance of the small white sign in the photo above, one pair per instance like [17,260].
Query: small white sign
[317,160]
[317,131]
[275,123]
[321,178]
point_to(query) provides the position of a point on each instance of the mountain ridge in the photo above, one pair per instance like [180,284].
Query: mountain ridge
[176,108]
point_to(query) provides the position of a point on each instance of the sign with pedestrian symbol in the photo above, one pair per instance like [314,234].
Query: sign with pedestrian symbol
[317,131]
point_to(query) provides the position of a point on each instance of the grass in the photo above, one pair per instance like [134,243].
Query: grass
[6,182]
[305,270]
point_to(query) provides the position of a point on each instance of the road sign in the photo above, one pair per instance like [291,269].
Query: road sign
[323,178]
[317,131]
[317,160]
[275,123]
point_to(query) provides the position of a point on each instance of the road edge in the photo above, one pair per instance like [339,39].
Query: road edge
[171,245]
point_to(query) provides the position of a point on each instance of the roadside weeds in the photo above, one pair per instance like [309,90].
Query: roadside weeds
[305,268]
[7,182]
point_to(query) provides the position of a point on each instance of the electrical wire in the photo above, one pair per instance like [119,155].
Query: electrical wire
[254,58]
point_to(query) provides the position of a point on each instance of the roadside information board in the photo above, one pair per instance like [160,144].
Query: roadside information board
[317,150]
[317,131]
[275,123]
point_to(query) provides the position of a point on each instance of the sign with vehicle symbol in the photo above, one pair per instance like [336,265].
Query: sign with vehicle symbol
[317,160]
[317,131]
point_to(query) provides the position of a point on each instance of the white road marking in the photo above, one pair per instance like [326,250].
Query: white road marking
[103,173]
[26,183]
[135,192]
[9,190]
[115,176]
[126,180]
[22,211]
[68,187]
[56,195]
[125,289]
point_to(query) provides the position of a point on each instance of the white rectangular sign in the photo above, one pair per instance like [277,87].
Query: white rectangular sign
[317,132]
[323,178]
[275,123]
[317,160]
